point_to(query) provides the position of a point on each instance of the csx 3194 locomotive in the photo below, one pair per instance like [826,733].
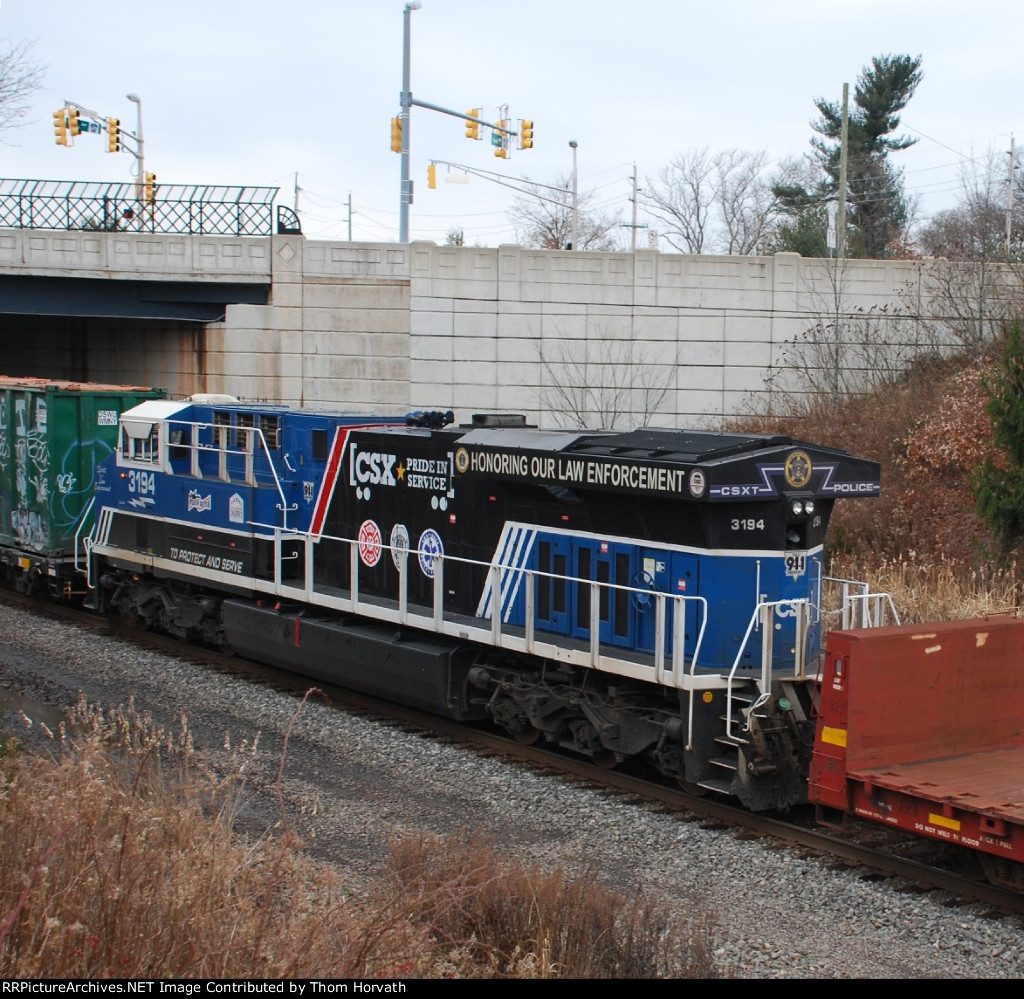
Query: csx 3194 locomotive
[653,594]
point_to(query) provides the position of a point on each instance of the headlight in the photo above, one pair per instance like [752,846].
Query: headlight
[796,507]
[809,507]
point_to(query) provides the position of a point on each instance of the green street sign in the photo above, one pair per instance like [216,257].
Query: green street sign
[496,138]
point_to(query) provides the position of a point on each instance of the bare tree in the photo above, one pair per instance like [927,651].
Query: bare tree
[542,218]
[968,302]
[681,199]
[976,228]
[713,203]
[598,383]
[973,287]
[745,200]
[20,76]
[847,349]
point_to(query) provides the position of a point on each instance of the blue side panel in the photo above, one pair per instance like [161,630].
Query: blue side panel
[731,585]
[551,557]
[292,477]
[675,573]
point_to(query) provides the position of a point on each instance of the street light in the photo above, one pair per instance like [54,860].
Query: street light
[575,199]
[140,166]
[405,101]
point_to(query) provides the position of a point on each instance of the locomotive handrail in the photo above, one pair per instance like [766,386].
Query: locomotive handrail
[78,532]
[764,613]
[492,630]
[194,446]
[862,609]
[870,608]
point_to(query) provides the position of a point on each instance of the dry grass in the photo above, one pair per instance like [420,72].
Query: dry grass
[118,859]
[526,923]
[939,590]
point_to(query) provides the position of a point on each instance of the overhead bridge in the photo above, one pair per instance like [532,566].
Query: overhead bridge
[120,251]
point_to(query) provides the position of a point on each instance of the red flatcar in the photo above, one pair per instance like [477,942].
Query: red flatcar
[922,727]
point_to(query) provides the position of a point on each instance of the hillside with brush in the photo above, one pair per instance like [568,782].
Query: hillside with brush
[924,539]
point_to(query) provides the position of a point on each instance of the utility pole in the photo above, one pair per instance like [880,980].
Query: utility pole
[575,196]
[1009,197]
[634,225]
[636,191]
[350,216]
[843,151]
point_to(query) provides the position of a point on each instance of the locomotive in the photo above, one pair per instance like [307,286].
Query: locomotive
[653,594]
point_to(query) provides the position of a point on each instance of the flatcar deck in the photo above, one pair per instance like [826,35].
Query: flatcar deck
[991,783]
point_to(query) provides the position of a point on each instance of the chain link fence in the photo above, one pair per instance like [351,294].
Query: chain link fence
[188,209]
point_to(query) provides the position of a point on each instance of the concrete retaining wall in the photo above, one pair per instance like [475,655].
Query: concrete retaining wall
[611,338]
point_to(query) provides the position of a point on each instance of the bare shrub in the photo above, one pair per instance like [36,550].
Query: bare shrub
[927,429]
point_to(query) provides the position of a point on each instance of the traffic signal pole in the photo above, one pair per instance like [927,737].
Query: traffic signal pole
[400,125]
[405,101]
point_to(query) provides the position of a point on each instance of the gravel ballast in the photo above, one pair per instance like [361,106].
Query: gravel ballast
[352,784]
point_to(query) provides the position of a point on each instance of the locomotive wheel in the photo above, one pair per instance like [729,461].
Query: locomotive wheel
[527,736]
[694,790]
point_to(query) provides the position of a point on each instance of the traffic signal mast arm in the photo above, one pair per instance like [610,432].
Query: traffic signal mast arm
[503,180]
[493,125]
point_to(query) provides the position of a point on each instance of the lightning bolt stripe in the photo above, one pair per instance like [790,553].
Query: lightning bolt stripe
[512,552]
[330,477]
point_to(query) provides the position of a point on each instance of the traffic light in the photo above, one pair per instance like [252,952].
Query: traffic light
[501,151]
[150,188]
[113,135]
[396,135]
[60,127]
[473,127]
[432,176]
[526,134]
[73,127]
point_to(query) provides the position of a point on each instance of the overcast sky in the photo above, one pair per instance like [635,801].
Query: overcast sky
[256,92]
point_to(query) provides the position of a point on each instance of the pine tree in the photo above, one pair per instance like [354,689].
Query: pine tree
[878,211]
[999,480]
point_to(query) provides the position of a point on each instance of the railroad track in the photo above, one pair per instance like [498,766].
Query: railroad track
[872,850]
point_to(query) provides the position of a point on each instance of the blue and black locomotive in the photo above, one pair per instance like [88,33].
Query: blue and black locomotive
[649,594]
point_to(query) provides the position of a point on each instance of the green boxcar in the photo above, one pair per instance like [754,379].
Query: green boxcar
[53,434]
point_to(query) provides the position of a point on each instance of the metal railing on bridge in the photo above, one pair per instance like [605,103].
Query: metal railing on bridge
[191,209]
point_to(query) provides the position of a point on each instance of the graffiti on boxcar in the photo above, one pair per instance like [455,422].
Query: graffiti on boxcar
[5,443]
[69,503]
[31,464]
